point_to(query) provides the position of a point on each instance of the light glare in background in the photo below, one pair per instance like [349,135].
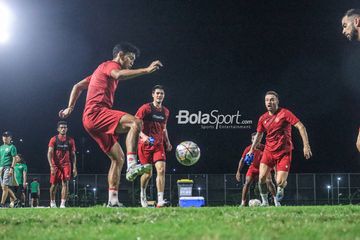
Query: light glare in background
[5,22]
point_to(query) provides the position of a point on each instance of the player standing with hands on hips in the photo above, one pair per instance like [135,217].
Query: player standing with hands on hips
[104,124]
[277,122]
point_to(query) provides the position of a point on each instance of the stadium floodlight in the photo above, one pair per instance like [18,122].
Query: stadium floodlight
[328,192]
[88,151]
[5,21]
[199,190]
[94,189]
[21,140]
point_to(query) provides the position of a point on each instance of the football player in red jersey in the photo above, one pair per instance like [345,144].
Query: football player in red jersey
[252,173]
[153,137]
[276,123]
[60,153]
[104,124]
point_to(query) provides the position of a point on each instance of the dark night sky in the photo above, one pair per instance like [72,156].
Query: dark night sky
[217,54]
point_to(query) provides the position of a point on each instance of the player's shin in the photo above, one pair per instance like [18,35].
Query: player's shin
[263,193]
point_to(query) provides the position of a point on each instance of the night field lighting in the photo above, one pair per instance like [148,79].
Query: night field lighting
[5,22]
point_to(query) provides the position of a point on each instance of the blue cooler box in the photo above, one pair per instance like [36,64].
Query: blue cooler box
[191,201]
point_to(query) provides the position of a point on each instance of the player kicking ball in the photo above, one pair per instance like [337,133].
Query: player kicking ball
[151,144]
[104,124]
[276,123]
[252,173]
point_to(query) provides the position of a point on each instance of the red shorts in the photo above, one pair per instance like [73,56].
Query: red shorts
[101,125]
[151,154]
[252,172]
[62,173]
[280,160]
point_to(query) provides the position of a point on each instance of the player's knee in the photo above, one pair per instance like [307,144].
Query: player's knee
[160,170]
[281,182]
[262,178]
[138,123]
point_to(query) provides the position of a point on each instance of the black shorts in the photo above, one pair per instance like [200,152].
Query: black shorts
[34,195]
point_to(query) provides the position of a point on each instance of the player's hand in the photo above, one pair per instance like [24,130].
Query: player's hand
[52,170]
[168,147]
[307,151]
[238,176]
[64,113]
[155,65]
[74,171]
[11,172]
[145,139]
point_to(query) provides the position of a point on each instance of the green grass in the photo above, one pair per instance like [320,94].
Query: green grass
[318,222]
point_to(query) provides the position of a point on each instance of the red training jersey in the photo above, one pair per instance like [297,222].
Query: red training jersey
[102,86]
[278,130]
[62,149]
[155,120]
[257,154]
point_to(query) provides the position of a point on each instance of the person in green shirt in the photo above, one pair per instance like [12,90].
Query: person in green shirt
[7,163]
[35,192]
[20,173]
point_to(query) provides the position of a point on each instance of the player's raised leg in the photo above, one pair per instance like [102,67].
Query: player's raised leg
[132,126]
[264,170]
[116,156]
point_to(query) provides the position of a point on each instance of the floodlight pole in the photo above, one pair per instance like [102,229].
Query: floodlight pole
[338,191]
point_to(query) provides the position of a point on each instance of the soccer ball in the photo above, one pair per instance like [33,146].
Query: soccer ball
[187,153]
[254,203]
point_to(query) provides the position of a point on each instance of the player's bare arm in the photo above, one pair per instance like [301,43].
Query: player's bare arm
[76,91]
[73,156]
[143,137]
[305,139]
[358,142]
[11,172]
[257,140]
[167,140]
[50,155]
[124,74]
[25,179]
[240,166]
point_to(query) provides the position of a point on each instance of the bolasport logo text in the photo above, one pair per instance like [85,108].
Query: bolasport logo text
[213,120]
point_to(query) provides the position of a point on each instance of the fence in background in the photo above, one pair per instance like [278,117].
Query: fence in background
[217,189]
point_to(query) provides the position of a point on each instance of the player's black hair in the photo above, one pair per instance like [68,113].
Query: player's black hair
[161,87]
[352,12]
[272,93]
[61,123]
[125,47]
[22,160]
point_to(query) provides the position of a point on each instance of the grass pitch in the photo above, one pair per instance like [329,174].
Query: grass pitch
[317,222]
